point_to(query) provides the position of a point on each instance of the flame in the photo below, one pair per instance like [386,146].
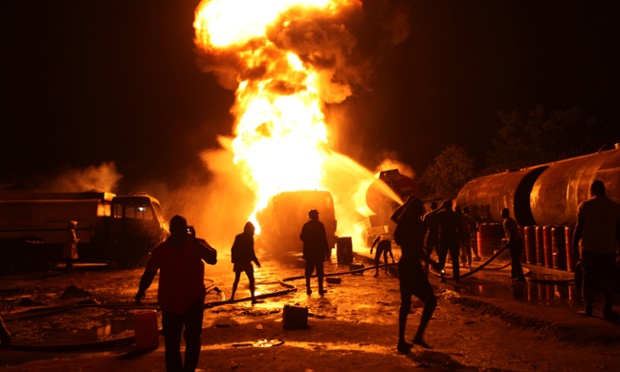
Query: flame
[282,57]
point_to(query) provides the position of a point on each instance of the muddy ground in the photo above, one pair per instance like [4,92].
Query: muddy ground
[88,325]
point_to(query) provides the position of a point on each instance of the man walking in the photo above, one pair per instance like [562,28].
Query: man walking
[413,279]
[449,238]
[432,237]
[181,292]
[315,249]
[242,255]
[596,240]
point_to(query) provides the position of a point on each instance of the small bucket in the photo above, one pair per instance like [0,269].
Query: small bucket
[146,330]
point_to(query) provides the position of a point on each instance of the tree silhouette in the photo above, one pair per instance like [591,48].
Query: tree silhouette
[449,172]
[540,136]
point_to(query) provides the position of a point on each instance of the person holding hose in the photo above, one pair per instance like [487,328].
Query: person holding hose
[409,235]
[384,247]
[514,244]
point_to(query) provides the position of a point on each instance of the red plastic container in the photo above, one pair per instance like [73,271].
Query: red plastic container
[146,330]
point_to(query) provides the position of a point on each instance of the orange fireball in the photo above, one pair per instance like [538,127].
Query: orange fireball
[283,58]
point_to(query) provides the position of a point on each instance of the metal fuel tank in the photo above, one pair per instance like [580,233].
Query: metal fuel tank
[487,196]
[557,192]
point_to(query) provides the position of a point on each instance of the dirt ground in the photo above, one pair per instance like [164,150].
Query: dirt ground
[352,327]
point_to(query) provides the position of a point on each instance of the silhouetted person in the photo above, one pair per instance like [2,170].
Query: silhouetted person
[465,237]
[5,335]
[473,228]
[598,231]
[242,254]
[514,244]
[315,248]
[384,247]
[181,292]
[449,238]
[409,234]
[432,237]
[69,251]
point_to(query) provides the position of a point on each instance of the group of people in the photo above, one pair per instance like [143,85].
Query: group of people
[595,243]
[451,232]
[181,291]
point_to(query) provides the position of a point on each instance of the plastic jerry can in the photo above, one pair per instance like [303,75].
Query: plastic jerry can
[146,330]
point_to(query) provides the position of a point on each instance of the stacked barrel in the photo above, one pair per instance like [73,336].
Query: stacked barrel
[547,246]
[544,200]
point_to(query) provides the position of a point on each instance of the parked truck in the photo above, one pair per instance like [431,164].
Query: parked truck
[115,229]
[281,221]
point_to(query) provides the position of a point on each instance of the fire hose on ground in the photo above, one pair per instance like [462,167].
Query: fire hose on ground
[289,288]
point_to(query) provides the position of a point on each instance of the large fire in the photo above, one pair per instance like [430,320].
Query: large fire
[284,57]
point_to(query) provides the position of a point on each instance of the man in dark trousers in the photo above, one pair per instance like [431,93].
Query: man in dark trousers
[181,292]
[242,255]
[473,228]
[409,235]
[597,233]
[449,238]
[315,249]
[514,244]
[384,247]
[432,237]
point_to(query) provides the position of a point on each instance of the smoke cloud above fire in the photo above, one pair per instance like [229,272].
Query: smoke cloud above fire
[288,62]
[347,46]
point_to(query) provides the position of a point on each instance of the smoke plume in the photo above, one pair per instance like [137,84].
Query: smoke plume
[103,177]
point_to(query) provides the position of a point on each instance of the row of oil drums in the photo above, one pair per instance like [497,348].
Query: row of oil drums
[547,246]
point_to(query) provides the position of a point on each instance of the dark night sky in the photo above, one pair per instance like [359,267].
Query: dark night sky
[85,82]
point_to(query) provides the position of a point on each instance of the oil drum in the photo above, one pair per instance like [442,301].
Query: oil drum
[529,243]
[547,246]
[540,246]
[522,235]
[489,238]
[568,239]
[558,247]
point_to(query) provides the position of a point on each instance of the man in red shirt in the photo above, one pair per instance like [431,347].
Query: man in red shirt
[181,292]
